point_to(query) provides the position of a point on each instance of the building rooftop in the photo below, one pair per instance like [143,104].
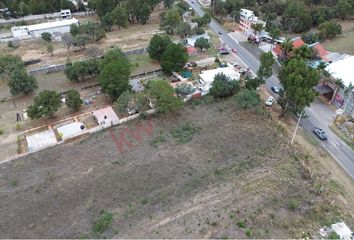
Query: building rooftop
[55,24]
[106,116]
[208,75]
[343,69]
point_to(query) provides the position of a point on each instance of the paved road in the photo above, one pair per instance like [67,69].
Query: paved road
[318,114]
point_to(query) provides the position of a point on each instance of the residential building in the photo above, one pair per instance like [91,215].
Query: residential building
[35,31]
[247,18]
[296,42]
[191,40]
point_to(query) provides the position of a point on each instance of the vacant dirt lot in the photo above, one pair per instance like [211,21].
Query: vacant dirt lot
[214,171]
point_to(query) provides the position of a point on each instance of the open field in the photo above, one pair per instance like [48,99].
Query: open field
[214,171]
[345,42]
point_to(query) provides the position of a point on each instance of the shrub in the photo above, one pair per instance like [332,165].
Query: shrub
[46,36]
[2,131]
[223,86]
[184,133]
[103,222]
[293,204]
[241,224]
[247,98]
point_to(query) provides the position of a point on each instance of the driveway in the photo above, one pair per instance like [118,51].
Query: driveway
[318,113]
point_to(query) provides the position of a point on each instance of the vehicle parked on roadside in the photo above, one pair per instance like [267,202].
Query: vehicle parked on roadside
[275,89]
[269,101]
[320,133]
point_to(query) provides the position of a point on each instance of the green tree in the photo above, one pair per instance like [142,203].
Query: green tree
[202,43]
[81,40]
[202,21]
[274,33]
[170,20]
[168,3]
[257,28]
[114,74]
[158,45]
[120,17]
[222,86]
[286,48]
[107,22]
[162,92]
[247,98]
[144,14]
[74,29]
[198,31]
[298,81]
[343,9]
[122,102]
[45,104]
[253,83]
[310,37]
[50,49]
[329,30]
[46,36]
[304,52]
[22,83]
[9,64]
[73,100]
[183,29]
[296,18]
[265,69]
[174,58]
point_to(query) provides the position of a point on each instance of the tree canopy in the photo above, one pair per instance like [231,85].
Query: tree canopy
[114,74]
[162,92]
[222,86]
[298,81]
[22,83]
[158,45]
[247,98]
[174,58]
[73,100]
[45,104]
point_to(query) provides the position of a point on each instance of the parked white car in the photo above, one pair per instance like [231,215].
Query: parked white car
[269,101]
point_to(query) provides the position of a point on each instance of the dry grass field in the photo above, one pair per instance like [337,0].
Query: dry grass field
[213,171]
[345,42]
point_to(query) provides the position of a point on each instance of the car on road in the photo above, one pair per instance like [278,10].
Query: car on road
[269,101]
[224,51]
[320,133]
[234,50]
[220,33]
[275,89]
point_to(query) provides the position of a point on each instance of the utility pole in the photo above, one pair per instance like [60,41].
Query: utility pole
[297,125]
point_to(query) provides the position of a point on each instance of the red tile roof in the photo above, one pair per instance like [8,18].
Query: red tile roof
[297,42]
[191,49]
[320,50]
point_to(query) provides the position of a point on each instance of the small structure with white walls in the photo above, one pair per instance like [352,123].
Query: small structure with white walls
[35,31]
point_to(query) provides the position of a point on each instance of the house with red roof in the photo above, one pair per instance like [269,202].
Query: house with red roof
[320,51]
[296,42]
[192,51]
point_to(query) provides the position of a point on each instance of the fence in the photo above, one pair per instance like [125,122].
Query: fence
[47,69]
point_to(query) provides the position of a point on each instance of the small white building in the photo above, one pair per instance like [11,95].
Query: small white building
[247,18]
[207,76]
[191,40]
[65,13]
[35,31]
[343,69]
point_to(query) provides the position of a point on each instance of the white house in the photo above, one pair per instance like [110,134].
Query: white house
[191,40]
[35,31]
[247,18]
[207,76]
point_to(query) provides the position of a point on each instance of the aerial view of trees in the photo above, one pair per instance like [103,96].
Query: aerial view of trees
[298,81]
[114,74]
[174,58]
[22,83]
[73,100]
[45,104]
[222,86]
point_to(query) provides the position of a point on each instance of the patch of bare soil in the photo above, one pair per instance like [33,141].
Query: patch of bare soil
[228,174]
